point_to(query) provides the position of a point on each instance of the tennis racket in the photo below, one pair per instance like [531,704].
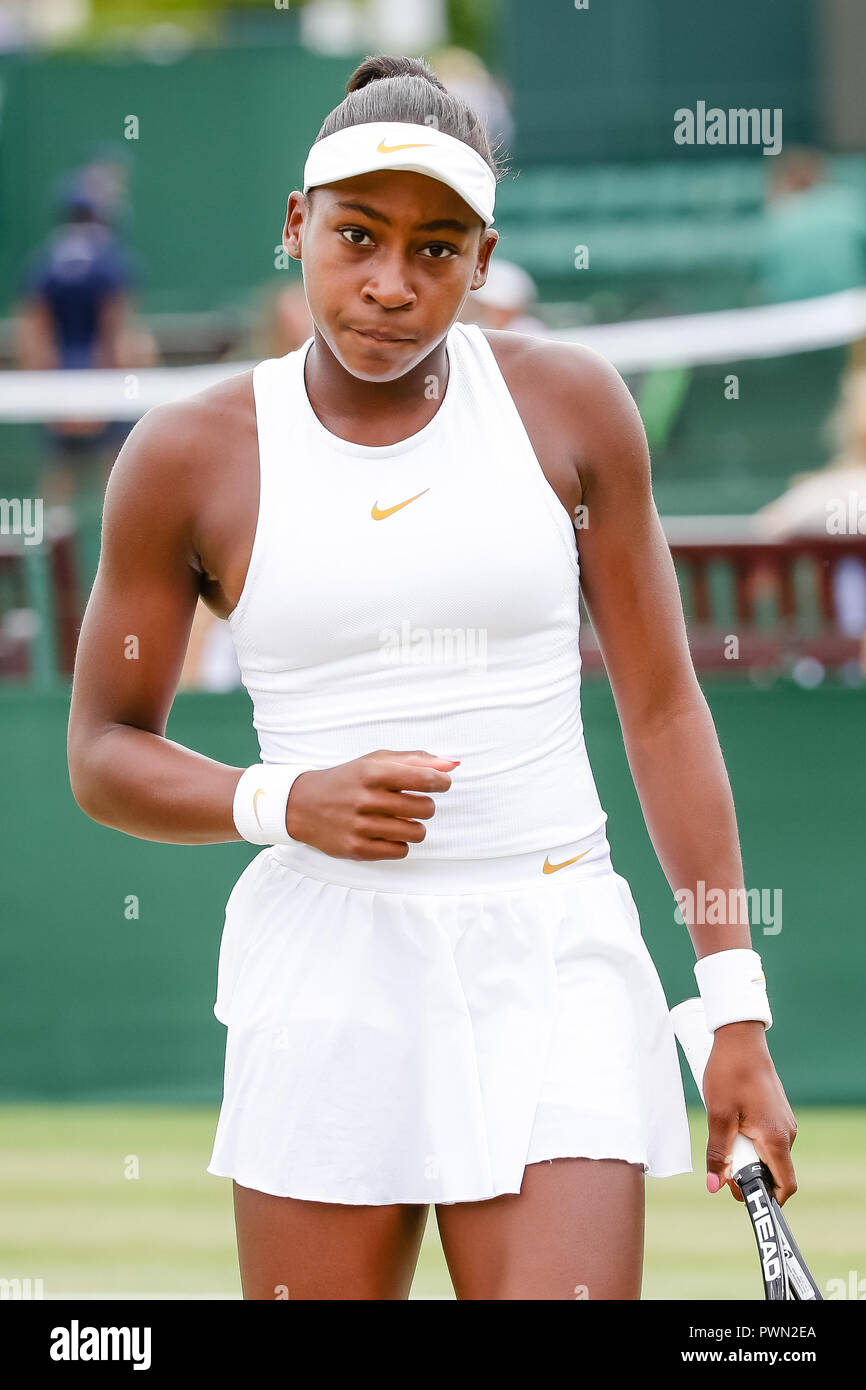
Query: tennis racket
[783,1269]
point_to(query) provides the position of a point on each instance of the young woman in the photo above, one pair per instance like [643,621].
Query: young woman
[434,982]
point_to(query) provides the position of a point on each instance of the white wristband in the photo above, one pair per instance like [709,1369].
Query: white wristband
[260,801]
[733,987]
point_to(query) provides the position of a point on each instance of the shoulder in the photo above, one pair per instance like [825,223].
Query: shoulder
[174,454]
[581,388]
[228,402]
[559,367]
[189,427]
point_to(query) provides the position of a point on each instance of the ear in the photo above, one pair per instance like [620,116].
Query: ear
[297,213]
[488,240]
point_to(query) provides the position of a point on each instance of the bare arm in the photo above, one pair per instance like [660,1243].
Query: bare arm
[34,337]
[632,596]
[631,593]
[114,316]
[123,771]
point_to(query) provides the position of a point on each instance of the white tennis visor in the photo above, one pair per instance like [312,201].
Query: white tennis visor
[420,149]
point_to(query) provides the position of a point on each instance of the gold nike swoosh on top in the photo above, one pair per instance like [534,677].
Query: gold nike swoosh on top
[552,868]
[260,792]
[382,148]
[378,513]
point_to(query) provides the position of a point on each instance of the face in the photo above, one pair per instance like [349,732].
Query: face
[388,259]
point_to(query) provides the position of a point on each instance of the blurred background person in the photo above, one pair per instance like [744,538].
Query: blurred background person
[506,300]
[210,662]
[282,322]
[467,75]
[814,239]
[76,312]
[812,499]
[814,244]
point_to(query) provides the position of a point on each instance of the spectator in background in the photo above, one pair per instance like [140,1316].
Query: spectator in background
[814,244]
[814,239]
[505,300]
[282,323]
[464,74]
[105,181]
[75,312]
[807,505]
[210,662]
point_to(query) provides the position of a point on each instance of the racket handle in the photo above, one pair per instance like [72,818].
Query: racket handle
[696,1041]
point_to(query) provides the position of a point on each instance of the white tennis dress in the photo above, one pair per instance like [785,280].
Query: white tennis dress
[419,1030]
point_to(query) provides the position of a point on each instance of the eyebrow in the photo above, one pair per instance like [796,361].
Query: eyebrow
[439,224]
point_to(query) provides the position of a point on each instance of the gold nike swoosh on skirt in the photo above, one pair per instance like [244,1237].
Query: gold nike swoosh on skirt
[378,513]
[552,868]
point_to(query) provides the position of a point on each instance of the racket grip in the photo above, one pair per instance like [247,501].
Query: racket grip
[696,1041]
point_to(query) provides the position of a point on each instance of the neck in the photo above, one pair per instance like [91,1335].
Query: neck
[387,408]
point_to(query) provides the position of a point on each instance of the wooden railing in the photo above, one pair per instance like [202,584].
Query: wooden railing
[748,602]
[752,601]
[41,606]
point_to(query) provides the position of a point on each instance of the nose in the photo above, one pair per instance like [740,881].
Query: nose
[388,285]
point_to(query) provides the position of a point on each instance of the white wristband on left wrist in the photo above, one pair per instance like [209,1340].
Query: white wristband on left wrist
[260,801]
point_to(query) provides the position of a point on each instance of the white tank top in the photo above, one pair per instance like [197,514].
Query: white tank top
[421,595]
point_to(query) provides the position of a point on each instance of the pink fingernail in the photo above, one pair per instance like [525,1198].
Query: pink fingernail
[714,1182]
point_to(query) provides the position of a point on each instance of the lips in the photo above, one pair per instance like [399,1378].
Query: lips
[379,337]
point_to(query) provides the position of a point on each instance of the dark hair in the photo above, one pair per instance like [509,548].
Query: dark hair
[394,88]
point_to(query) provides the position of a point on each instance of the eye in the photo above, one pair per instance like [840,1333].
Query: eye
[353,232]
[440,246]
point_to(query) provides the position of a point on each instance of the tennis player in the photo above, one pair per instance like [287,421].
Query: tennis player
[434,981]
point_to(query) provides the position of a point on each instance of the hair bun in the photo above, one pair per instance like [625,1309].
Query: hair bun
[376,67]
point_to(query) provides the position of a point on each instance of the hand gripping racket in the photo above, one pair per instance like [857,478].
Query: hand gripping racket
[783,1269]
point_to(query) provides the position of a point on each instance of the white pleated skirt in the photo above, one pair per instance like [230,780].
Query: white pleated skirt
[420,1030]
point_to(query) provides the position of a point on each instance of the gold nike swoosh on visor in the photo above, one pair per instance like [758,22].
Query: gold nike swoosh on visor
[260,792]
[552,868]
[378,513]
[382,148]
